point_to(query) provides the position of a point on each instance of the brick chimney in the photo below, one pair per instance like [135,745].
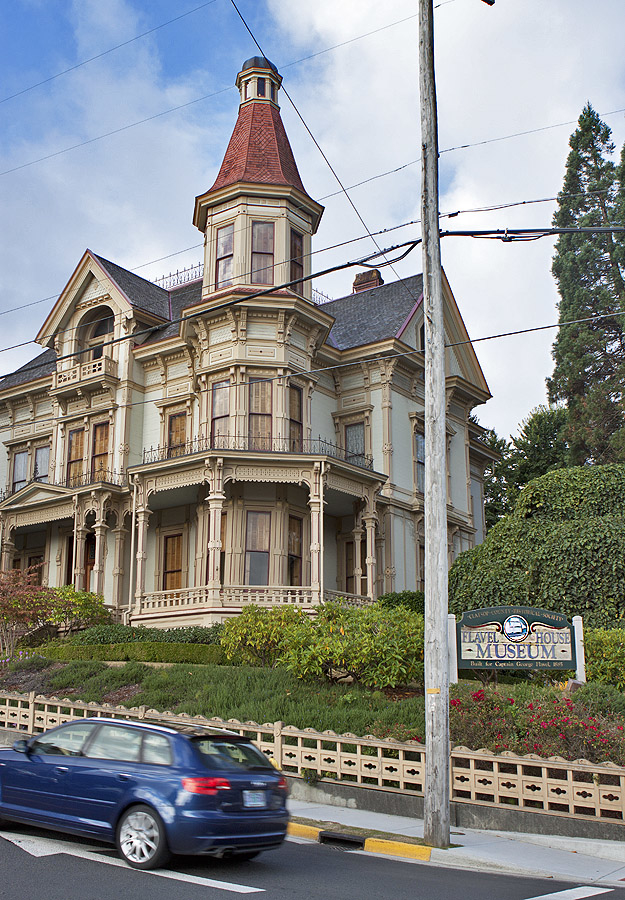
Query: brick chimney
[364,281]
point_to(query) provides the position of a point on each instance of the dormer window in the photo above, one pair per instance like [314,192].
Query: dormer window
[98,335]
[262,252]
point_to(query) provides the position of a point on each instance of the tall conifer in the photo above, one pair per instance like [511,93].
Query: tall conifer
[589,356]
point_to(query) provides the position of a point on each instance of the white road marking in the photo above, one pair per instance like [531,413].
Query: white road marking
[50,847]
[574,893]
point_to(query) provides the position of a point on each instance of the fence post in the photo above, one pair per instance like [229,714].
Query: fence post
[31,712]
[452,648]
[578,627]
[277,743]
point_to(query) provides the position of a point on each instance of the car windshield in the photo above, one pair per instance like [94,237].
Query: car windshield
[221,753]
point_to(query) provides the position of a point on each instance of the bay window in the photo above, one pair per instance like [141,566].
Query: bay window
[220,413]
[259,414]
[75,456]
[225,256]
[262,252]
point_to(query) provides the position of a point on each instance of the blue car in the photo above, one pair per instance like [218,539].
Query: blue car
[151,789]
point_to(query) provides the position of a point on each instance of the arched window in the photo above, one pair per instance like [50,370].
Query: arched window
[98,334]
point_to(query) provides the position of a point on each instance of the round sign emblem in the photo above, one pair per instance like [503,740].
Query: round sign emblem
[516,628]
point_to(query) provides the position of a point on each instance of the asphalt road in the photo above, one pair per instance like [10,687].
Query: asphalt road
[47,866]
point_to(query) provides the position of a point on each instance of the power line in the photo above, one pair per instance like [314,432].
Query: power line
[104,53]
[364,261]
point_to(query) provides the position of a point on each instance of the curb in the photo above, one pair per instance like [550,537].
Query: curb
[369,845]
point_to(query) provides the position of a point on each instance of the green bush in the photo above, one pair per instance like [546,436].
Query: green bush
[600,699]
[605,656]
[259,636]
[561,549]
[126,634]
[375,646]
[139,651]
[413,600]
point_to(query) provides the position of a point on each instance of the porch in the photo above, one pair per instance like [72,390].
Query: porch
[230,600]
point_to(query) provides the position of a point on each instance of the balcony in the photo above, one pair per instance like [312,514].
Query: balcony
[248,444]
[86,375]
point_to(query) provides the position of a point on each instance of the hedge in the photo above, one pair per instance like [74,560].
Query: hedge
[140,651]
[125,634]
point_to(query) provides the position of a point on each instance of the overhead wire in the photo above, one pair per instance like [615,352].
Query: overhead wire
[105,52]
[317,144]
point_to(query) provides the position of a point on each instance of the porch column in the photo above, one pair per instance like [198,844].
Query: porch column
[79,558]
[143,517]
[358,573]
[215,501]
[315,503]
[118,566]
[8,549]
[100,529]
[370,521]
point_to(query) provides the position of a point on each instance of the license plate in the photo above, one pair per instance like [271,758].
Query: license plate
[255,799]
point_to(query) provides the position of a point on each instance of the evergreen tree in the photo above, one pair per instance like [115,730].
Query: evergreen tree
[540,446]
[590,356]
[497,478]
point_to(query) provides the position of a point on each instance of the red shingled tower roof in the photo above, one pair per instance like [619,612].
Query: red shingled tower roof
[259,151]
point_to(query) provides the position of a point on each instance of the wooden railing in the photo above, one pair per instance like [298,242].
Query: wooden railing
[272,595]
[554,786]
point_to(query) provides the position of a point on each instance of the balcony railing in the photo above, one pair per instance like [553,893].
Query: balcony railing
[105,367]
[247,443]
[101,476]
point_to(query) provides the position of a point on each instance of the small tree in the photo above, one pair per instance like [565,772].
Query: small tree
[24,605]
[71,609]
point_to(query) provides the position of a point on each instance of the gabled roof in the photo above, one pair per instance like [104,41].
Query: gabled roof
[259,151]
[142,294]
[369,316]
[180,297]
[39,367]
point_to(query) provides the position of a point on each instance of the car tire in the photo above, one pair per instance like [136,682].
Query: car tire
[140,838]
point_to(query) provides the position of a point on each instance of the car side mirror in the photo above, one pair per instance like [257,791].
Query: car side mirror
[21,746]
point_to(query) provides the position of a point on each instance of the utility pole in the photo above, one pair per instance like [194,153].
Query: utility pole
[436,806]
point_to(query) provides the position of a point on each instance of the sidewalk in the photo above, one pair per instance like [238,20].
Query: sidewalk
[575,859]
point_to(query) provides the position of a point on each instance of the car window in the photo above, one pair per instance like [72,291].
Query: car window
[65,741]
[220,753]
[156,749]
[115,742]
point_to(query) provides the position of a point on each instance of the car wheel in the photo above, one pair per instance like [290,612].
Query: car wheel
[141,839]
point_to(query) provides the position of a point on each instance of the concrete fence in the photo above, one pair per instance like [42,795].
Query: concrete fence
[554,786]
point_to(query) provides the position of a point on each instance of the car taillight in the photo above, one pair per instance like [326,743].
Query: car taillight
[206,785]
[282,784]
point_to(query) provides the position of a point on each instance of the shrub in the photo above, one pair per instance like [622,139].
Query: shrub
[139,651]
[605,656]
[375,646]
[259,636]
[126,634]
[600,699]
[413,600]
[562,549]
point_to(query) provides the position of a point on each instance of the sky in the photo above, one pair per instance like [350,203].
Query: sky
[110,154]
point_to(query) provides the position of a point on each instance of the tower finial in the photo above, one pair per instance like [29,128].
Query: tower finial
[259,80]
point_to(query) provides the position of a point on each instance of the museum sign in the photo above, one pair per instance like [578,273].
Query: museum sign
[515,637]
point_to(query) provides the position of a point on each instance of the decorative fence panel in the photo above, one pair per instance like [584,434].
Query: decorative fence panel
[554,786]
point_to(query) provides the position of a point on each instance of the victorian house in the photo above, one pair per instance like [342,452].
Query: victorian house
[186,450]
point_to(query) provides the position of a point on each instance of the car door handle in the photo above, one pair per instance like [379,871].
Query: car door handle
[122,776]
[61,770]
